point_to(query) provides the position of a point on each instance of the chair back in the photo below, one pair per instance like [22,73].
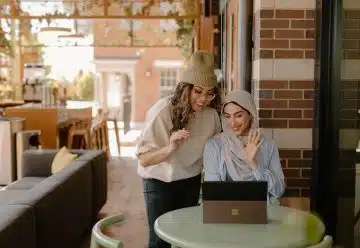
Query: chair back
[99,239]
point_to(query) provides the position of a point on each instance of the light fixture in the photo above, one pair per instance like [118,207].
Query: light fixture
[72,37]
[48,35]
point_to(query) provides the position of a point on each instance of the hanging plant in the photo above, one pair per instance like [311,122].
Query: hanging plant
[184,36]
[5,44]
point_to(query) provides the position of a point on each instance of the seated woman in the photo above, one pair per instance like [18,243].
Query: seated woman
[240,152]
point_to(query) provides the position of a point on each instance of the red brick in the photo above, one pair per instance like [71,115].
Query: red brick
[265,113]
[298,182]
[307,153]
[286,114]
[310,34]
[304,44]
[348,104]
[351,24]
[290,14]
[350,85]
[350,94]
[273,84]
[308,94]
[271,123]
[351,34]
[289,54]
[351,124]
[266,33]
[349,114]
[305,192]
[352,54]
[308,114]
[289,33]
[266,94]
[305,24]
[273,43]
[310,14]
[299,163]
[301,104]
[266,13]
[266,54]
[301,84]
[285,153]
[274,24]
[352,14]
[300,123]
[291,173]
[288,94]
[292,192]
[310,54]
[306,173]
[351,44]
[273,103]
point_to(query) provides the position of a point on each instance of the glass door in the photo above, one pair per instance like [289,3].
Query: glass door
[335,192]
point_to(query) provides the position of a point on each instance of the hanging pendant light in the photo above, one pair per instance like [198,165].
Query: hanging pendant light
[48,35]
[72,37]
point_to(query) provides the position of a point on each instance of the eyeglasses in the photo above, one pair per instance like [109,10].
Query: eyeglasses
[208,96]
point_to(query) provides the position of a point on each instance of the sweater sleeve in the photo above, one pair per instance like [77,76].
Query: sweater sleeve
[272,173]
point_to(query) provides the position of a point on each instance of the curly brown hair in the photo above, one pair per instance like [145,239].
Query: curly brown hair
[181,108]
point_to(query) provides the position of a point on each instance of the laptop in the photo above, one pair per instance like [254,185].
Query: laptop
[242,202]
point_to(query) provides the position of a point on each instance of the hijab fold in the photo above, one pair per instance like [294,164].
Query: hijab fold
[232,145]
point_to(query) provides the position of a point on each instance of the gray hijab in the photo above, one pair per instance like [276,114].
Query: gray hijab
[232,145]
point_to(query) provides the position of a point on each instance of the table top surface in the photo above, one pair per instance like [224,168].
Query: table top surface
[185,228]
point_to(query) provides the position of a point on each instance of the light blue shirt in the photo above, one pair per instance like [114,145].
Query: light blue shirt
[269,167]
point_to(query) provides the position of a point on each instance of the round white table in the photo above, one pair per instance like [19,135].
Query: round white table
[185,228]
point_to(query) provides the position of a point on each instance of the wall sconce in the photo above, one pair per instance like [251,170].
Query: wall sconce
[148,72]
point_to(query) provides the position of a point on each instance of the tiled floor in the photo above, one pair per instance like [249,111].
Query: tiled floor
[124,197]
[128,142]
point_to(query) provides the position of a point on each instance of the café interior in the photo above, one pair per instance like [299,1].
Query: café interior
[82,73]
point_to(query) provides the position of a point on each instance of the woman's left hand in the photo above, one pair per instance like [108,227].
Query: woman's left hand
[251,148]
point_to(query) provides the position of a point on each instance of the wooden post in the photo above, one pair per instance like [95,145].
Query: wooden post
[198,24]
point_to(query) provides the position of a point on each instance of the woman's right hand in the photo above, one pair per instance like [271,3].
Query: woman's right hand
[177,138]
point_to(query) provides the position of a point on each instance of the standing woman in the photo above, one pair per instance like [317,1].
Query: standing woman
[171,144]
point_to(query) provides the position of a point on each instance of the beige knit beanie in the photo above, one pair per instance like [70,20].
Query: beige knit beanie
[200,70]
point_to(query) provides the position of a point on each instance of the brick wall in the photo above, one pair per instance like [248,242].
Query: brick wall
[283,82]
[350,76]
[352,34]
[350,86]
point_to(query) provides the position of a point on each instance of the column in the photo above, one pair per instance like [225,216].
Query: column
[16,61]
[283,81]
[104,89]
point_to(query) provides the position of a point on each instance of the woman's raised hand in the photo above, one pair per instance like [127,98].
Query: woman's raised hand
[177,138]
[251,147]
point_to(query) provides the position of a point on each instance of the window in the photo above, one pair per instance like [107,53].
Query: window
[168,80]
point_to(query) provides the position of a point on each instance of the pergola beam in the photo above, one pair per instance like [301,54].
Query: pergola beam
[99,45]
[138,17]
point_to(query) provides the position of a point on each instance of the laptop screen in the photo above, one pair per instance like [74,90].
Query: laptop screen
[234,191]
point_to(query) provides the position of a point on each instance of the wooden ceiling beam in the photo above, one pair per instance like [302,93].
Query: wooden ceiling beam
[138,17]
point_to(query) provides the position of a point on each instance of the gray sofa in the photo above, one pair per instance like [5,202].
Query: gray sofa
[42,210]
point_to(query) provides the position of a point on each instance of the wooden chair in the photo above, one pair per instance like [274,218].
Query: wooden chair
[80,128]
[99,239]
[99,132]
[114,115]
[105,134]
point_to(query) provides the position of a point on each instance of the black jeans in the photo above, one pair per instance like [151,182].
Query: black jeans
[162,197]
